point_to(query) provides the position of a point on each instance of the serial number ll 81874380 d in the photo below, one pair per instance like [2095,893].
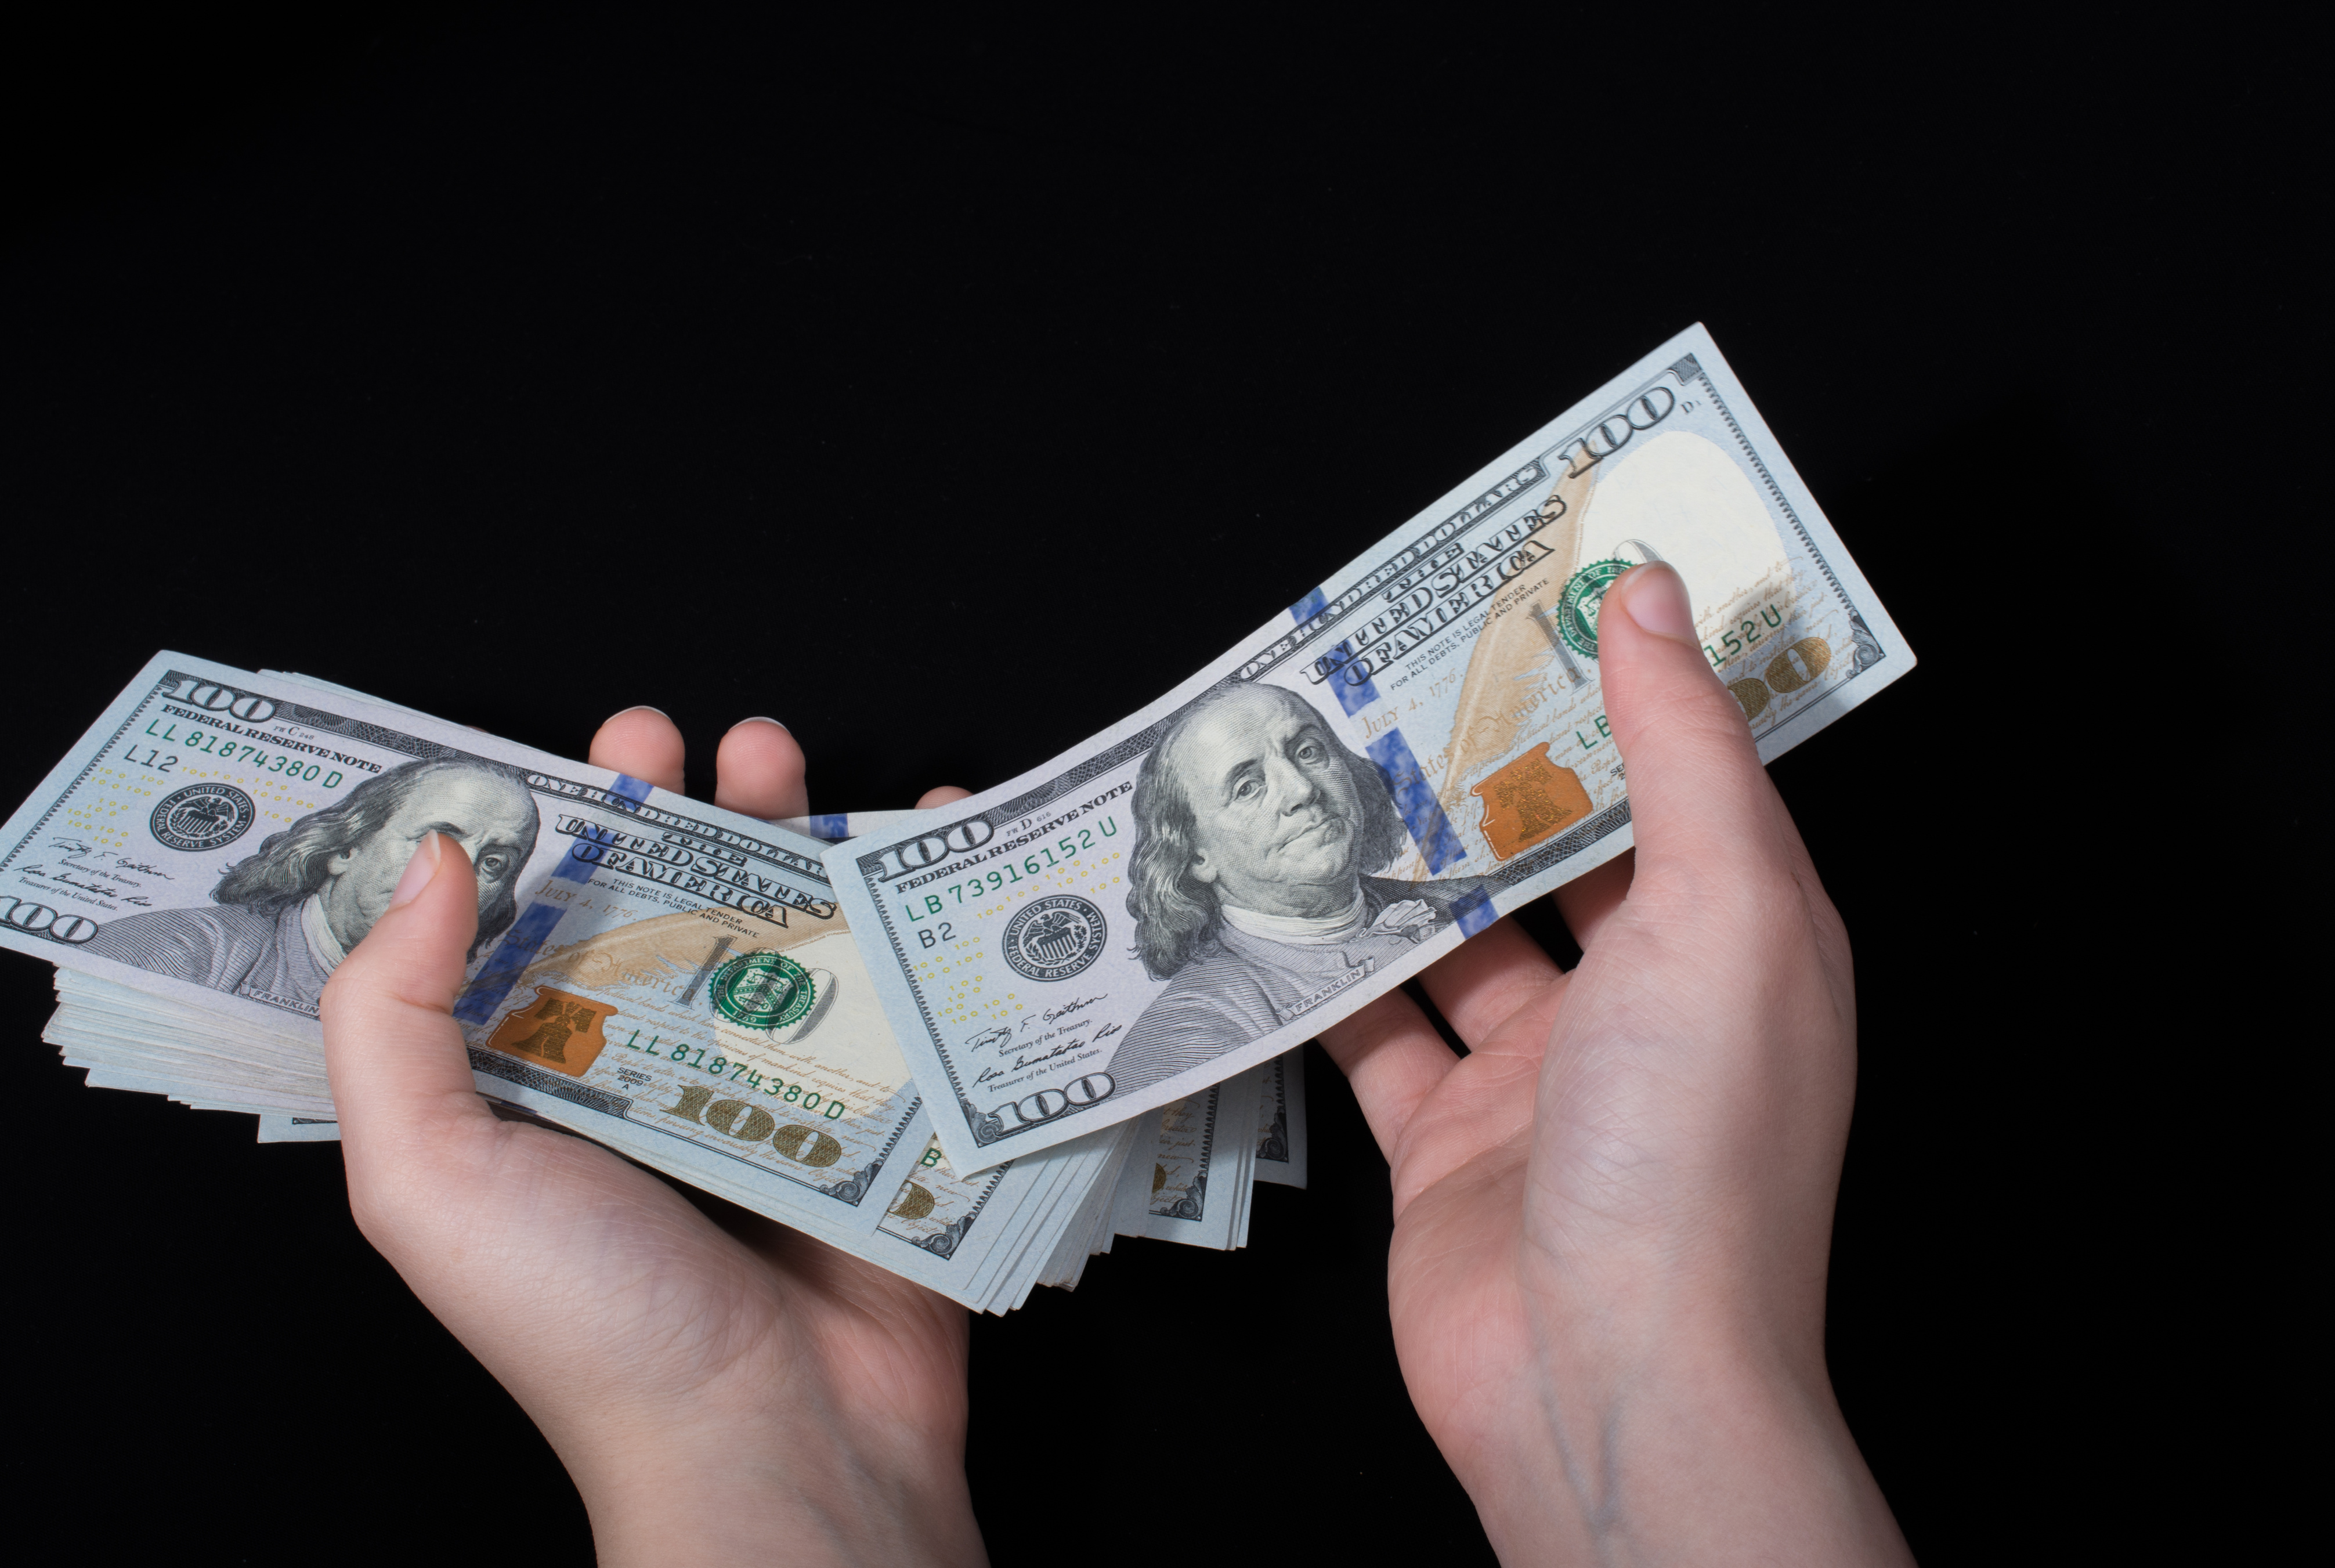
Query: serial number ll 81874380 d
[741,1072]
[203,742]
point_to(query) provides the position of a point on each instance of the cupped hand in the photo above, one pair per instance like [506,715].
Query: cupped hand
[1612,1216]
[720,1387]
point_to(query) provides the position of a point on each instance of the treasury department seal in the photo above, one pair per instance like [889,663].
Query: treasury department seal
[763,990]
[1577,606]
[1054,937]
[203,817]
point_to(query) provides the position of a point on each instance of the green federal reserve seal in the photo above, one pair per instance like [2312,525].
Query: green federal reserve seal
[762,989]
[1576,607]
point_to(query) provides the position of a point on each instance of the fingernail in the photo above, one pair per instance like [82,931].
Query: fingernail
[641,708]
[759,718]
[417,871]
[1655,597]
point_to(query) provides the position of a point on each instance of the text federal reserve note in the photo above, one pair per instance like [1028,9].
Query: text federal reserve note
[1412,751]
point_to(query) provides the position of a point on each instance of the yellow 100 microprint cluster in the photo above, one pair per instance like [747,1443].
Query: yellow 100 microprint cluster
[962,987]
[112,812]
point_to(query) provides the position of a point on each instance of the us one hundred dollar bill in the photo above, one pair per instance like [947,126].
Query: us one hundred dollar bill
[1412,749]
[649,971]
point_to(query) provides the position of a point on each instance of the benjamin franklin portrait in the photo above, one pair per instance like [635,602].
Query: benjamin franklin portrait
[290,913]
[1255,832]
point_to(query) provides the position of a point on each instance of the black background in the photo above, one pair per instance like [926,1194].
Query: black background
[947,390]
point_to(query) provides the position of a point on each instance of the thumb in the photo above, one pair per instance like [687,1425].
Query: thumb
[401,1077]
[1700,803]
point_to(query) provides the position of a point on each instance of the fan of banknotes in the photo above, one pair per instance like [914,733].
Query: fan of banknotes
[972,1045]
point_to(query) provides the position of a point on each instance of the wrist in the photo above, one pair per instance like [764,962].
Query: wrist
[1685,1434]
[808,1490]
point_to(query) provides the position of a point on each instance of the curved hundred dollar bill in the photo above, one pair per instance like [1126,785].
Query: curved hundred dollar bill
[1412,751]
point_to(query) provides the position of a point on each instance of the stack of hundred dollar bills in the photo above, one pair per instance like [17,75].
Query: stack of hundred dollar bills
[972,1045]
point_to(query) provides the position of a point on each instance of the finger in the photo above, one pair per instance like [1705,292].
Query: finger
[1394,1058]
[1586,900]
[1701,804]
[760,770]
[940,795]
[642,742]
[1488,980]
[401,1077]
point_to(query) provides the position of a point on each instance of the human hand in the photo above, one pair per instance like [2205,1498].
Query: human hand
[1612,1216]
[720,1387]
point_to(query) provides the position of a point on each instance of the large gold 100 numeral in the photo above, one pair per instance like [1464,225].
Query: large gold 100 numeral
[1788,670]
